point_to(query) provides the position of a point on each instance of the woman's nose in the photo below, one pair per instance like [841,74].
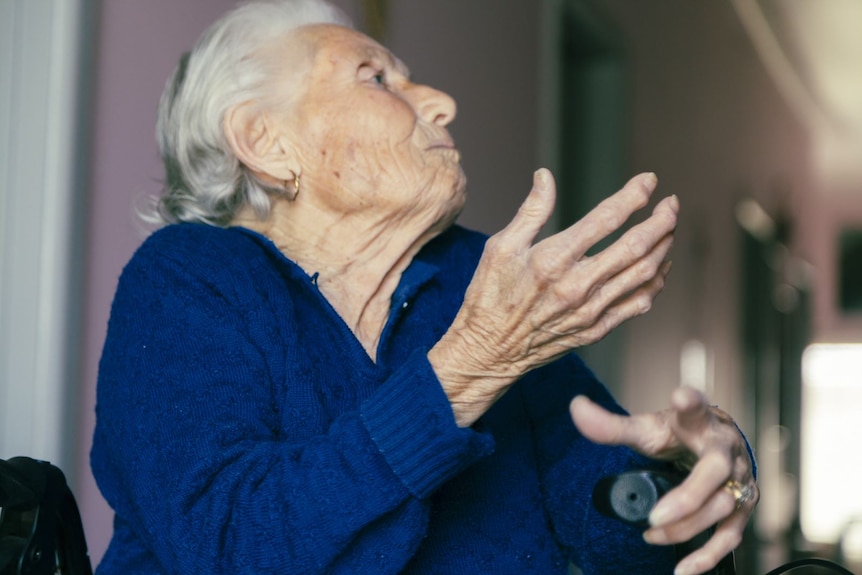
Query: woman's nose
[432,105]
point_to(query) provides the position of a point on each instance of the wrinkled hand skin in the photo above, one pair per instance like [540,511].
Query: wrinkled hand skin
[693,432]
[530,303]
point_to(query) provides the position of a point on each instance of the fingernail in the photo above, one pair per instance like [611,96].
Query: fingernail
[687,568]
[674,203]
[660,515]
[651,181]
[540,177]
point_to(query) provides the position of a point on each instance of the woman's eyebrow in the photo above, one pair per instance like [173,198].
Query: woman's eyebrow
[379,53]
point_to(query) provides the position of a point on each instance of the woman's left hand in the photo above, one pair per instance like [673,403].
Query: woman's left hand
[720,490]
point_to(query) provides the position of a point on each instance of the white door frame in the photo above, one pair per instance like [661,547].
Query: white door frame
[42,163]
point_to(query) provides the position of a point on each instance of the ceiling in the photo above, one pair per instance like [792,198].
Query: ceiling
[813,49]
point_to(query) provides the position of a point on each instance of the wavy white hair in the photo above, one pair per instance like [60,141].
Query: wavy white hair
[204,181]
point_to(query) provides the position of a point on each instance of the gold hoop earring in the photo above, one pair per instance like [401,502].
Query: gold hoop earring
[296,185]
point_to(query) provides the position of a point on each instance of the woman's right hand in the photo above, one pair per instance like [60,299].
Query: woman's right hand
[528,304]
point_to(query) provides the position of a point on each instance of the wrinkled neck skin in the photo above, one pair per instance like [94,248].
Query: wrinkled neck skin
[359,258]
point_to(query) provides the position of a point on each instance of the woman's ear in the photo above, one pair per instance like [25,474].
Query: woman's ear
[253,139]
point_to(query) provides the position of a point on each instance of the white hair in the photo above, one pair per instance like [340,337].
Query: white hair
[204,181]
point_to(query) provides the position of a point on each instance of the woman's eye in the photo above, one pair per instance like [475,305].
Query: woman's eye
[373,74]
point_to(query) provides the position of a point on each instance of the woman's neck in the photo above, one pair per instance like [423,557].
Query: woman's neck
[358,260]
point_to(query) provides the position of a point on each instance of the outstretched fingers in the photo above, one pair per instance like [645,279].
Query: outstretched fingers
[632,290]
[639,243]
[608,310]
[606,218]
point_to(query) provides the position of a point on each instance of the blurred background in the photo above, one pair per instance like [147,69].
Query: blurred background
[749,110]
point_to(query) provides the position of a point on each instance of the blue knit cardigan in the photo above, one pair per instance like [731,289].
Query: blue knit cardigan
[242,429]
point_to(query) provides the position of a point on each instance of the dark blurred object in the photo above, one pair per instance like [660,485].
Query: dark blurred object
[631,496]
[850,271]
[40,527]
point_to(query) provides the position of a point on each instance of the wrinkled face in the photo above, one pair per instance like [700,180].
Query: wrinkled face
[370,139]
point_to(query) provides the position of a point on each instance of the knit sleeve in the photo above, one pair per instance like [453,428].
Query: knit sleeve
[570,466]
[190,454]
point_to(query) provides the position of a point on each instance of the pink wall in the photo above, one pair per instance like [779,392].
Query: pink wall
[709,120]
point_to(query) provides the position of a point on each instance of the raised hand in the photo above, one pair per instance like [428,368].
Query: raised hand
[530,303]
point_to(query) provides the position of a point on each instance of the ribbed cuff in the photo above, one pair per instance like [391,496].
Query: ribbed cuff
[411,421]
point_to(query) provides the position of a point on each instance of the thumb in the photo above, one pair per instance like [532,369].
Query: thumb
[596,423]
[646,433]
[534,211]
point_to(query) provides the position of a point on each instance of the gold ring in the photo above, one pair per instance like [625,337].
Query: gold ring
[742,494]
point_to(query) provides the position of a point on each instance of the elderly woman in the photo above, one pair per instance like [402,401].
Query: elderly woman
[312,369]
